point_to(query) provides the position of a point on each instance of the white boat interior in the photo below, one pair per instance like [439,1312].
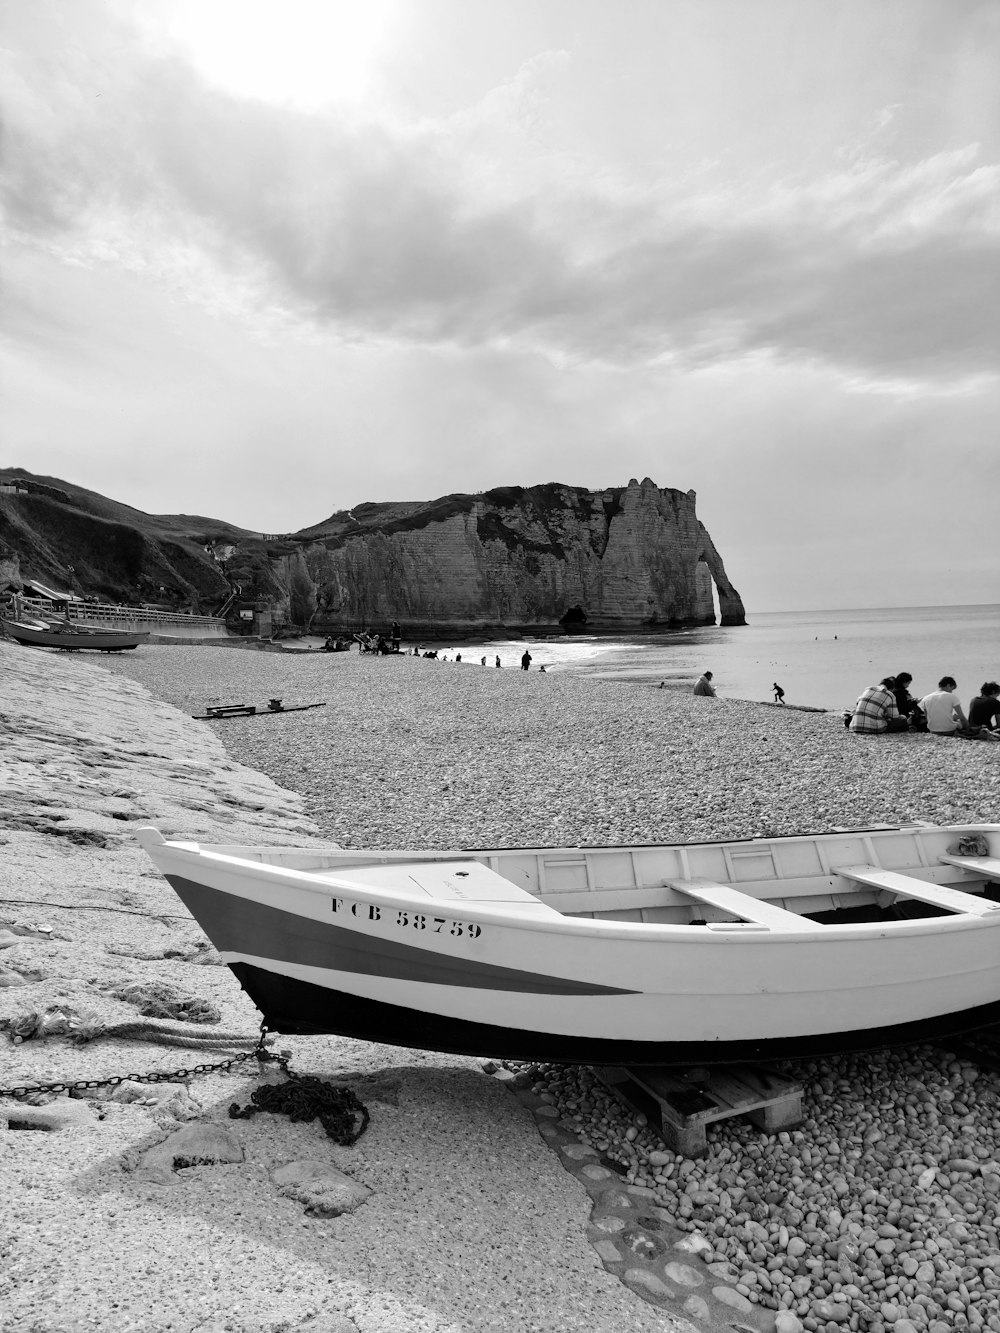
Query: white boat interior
[775,884]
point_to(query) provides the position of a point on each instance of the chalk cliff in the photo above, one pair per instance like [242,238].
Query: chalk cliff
[524,558]
[514,558]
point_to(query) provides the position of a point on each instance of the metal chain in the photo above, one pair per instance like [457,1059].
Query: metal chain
[259,1052]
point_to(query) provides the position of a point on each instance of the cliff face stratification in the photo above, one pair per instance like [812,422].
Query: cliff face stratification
[625,558]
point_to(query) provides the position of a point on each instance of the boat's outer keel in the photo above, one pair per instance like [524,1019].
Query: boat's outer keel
[300,1007]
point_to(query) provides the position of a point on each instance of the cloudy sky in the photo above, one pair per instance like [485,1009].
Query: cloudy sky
[266,259]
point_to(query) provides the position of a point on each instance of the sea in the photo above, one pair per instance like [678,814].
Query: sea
[821,659]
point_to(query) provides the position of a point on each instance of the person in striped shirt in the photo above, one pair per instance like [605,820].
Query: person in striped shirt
[875,712]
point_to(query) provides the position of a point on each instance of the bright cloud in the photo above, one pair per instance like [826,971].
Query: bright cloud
[419,246]
[377,229]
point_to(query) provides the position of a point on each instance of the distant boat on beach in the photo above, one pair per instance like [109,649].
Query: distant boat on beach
[687,954]
[71,637]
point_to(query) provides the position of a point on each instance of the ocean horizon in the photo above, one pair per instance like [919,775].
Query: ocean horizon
[822,659]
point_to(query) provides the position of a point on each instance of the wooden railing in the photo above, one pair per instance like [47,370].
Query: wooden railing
[109,614]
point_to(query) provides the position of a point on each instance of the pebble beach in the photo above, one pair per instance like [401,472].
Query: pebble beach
[879,1212]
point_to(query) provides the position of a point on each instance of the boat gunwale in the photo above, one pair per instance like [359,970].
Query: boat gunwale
[463,853]
[493,914]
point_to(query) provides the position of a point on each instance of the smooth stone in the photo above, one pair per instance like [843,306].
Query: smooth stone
[724,1269]
[615,1199]
[640,1279]
[607,1251]
[611,1223]
[729,1296]
[695,1243]
[787,1322]
[320,1186]
[697,1308]
[683,1274]
[577,1151]
[63,1113]
[594,1172]
[837,1312]
[194,1145]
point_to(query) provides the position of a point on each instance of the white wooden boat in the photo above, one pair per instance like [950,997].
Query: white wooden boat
[695,953]
[59,634]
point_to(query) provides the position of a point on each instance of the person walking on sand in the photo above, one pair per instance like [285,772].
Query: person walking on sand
[497,662]
[943,710]
[779,693]
[875,713]
[704,686]
[525,660]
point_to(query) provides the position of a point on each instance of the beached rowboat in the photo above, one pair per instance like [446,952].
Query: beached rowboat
[44,634]
[694,953]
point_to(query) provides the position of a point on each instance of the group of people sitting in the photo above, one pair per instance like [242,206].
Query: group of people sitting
[889,706]
[370,642]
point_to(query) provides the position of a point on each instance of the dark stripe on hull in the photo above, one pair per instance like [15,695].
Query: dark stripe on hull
[300,1007]
[239,925]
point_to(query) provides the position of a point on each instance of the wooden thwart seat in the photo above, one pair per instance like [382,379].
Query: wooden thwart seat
[987,866]
[728,899]
[938,895]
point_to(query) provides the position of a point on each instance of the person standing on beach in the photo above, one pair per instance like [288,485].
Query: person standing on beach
[779,693]
[525,660]
[704,686]
[497,663]
[943,710]
[875,713]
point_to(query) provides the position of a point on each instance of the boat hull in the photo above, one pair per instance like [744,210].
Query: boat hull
[301,1008]
[105,641]
[444,953]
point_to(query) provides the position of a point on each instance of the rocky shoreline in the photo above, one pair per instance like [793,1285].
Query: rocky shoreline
[879,1213]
